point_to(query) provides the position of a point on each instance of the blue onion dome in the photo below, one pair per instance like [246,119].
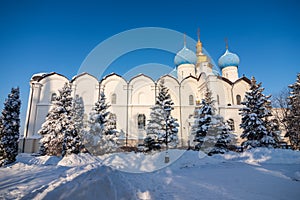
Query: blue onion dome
[185,56]
[228,59]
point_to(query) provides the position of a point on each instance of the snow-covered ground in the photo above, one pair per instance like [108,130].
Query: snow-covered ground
[256,174]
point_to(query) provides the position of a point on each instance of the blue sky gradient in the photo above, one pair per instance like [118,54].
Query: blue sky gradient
[46,36]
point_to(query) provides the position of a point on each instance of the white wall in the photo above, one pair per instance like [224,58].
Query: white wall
[141,98]
[49,85]
[136,97]
[114,84]
[188,87]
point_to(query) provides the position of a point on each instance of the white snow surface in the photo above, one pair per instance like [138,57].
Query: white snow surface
[256,174]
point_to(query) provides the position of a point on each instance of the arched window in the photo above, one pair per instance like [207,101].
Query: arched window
[85,120]
[53,97]
[142,98]
[238,99]
[231,124]
[191,100]
[141,121]
[112,121]
[218,99]
[113,98]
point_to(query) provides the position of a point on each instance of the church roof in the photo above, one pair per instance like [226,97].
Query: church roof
[243,78]
[228,59]
[82,74]
[185,56]
[41,76]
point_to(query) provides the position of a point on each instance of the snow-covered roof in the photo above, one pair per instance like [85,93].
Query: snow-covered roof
[38,75]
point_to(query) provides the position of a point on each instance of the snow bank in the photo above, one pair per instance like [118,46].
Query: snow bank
[265,155]
[140,162]
[74,160]
[37,160]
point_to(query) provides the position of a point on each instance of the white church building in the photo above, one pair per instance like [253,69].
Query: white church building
[132,99]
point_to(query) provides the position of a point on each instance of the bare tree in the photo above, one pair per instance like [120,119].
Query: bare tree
[280,107]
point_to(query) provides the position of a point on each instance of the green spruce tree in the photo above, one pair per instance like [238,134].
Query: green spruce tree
[255,114]
[293,115]
[162,128]
[9,128]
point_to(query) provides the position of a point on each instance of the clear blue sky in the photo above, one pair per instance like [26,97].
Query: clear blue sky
[46,36]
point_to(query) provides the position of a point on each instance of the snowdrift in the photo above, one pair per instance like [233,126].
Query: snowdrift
[250,175]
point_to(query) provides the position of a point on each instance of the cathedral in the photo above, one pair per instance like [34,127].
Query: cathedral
[132,99]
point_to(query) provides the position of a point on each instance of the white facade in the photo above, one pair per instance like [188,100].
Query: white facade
[131,100]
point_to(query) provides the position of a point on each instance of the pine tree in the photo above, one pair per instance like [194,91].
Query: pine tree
[222,138]
[293,116]
[59,134]
[72,143]
[169,136]
[101,137]
[51,131]
[10,125]
[1,146]
[110,136]
[162,128]
[211,134]
[172,131]
[78,113]
[202,121]
[272,139]
[203,114]
[255,114]
[209,99]
[154,128]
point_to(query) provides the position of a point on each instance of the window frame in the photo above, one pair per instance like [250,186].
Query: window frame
[114,98]
[141,121]
[231,124]
[191,100]
[238,99]
[53,97]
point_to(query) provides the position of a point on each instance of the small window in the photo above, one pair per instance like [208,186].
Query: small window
[53,97]
[113,98]
[141,121]
[231,124]
[218,99]
[191,100]
[276,125]
[85,120]
[238,99]
[112,121]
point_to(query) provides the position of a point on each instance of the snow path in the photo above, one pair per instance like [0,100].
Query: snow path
[98,183]
[26,179]
[91,181]
[225,181]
